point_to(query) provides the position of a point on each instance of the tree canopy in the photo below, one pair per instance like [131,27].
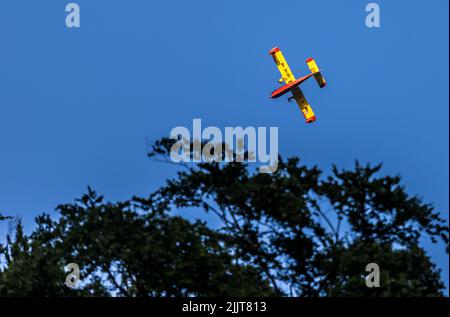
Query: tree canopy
[294,232]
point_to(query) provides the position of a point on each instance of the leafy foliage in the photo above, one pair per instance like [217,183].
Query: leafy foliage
[292,233]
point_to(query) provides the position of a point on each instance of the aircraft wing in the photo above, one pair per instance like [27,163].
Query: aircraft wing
[283,67]
[303,104]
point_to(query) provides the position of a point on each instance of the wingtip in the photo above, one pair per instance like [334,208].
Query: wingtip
[274,50]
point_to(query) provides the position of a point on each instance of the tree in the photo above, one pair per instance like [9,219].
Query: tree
[129,248]
[4,217]
[292,232]
[316,234]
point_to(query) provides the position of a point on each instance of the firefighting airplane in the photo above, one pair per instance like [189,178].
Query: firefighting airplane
[292,84]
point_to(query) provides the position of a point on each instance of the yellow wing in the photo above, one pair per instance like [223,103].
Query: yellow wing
[304,106]
[283,67]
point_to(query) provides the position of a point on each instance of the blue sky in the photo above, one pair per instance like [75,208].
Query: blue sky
[77,104]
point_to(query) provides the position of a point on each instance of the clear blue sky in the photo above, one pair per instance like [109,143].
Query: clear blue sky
[77,104]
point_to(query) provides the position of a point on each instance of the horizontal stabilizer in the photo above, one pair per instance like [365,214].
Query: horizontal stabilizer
[316,72]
